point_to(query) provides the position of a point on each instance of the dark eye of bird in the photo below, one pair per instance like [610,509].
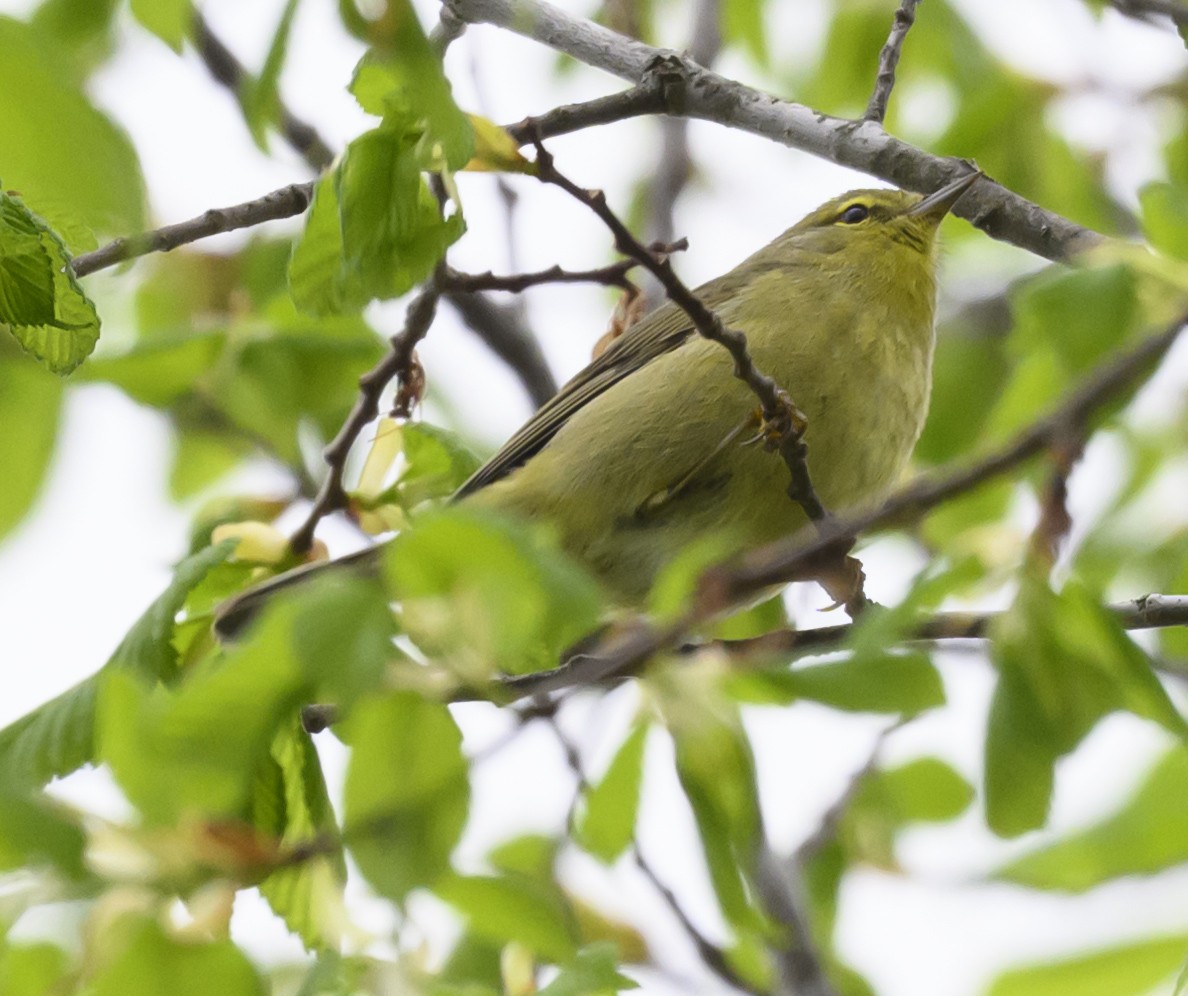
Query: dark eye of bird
[854,214]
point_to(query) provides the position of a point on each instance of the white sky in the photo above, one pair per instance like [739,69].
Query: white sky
[99,546]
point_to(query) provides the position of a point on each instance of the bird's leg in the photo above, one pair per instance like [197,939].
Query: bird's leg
[655,502]
[773,430]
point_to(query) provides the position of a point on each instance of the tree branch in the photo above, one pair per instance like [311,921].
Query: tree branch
[283,203]
[1144,10]
[782,418]
[226,69]
[905,17]
[681,87]
[398,362]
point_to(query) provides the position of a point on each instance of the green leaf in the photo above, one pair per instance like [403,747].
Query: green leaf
[30,409]
[407,791]
[1148,834]
[152,962]
[317,280]
[742,24]
[483,594]
[1129,970]
[41,301]
[199,748]
[169,20]
[606,825]
[1165,218]
[159,371]
[513,908]
[60,153]
[32,969]
[437,463]
[1064,663]
[904,682]
[926,790]
[306,896]
[595,970]
[260,97]
[34,831]
[58,737]
[403,80]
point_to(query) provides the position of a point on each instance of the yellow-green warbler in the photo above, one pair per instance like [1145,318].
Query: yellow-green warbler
[644,452]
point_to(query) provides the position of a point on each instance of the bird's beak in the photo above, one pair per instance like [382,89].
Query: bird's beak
[936,205]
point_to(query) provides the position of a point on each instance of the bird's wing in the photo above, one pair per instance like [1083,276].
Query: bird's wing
[662,331]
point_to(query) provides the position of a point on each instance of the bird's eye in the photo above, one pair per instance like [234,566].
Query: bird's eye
[854,214]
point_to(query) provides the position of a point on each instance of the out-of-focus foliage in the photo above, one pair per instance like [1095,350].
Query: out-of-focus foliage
[256,352]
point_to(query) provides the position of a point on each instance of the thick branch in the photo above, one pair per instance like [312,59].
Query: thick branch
[283,203]
[685,88]
[905,17]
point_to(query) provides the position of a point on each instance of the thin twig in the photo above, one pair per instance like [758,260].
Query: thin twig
[226,69]
[783,420]
[283,203]
[624,650]
[676,85]
[905,17]
[397,363]
[612,275]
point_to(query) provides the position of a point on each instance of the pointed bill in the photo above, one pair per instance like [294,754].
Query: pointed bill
[936,205]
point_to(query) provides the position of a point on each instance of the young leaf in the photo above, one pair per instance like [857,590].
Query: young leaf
[1148,834]
[58,737]
[595,969]
[41,302]
[607,822]
[407,791]
[169,20]
[1129,970]
[260,98]
[30,408]
[1064,663]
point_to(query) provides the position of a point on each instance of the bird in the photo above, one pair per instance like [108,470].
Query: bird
[651,447]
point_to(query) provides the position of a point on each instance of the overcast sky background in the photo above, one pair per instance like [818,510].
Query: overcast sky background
[99,546]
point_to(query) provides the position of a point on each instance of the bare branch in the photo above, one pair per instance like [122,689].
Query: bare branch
[612,275]
[398,362]
[283,203]
[226,69]
[905,17]
[682,87]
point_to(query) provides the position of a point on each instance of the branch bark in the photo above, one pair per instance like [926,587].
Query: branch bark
[681,87]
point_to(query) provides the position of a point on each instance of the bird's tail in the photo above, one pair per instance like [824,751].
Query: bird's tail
[233,616]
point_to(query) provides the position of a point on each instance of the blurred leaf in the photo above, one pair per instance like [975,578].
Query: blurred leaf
[160,370]
[765,617]
[513,908]
[606,825]
[403,82]
[482,594]
[198,748]
[1165,218]
[903,682]
[407,791]
[717,772]
[201,458]
[81,29]
[531,854]
[1064,663]
[1131,970]
[260,97]
[36,831]
[41,301]
[318,279]
[169,20]
[968,374]
[1149,833]
[436,464]
[30,408]
[495,150]
[594,970]
[32,969]
[58,737]
[307,896]
[61,154]
[742,25]
[152,962]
